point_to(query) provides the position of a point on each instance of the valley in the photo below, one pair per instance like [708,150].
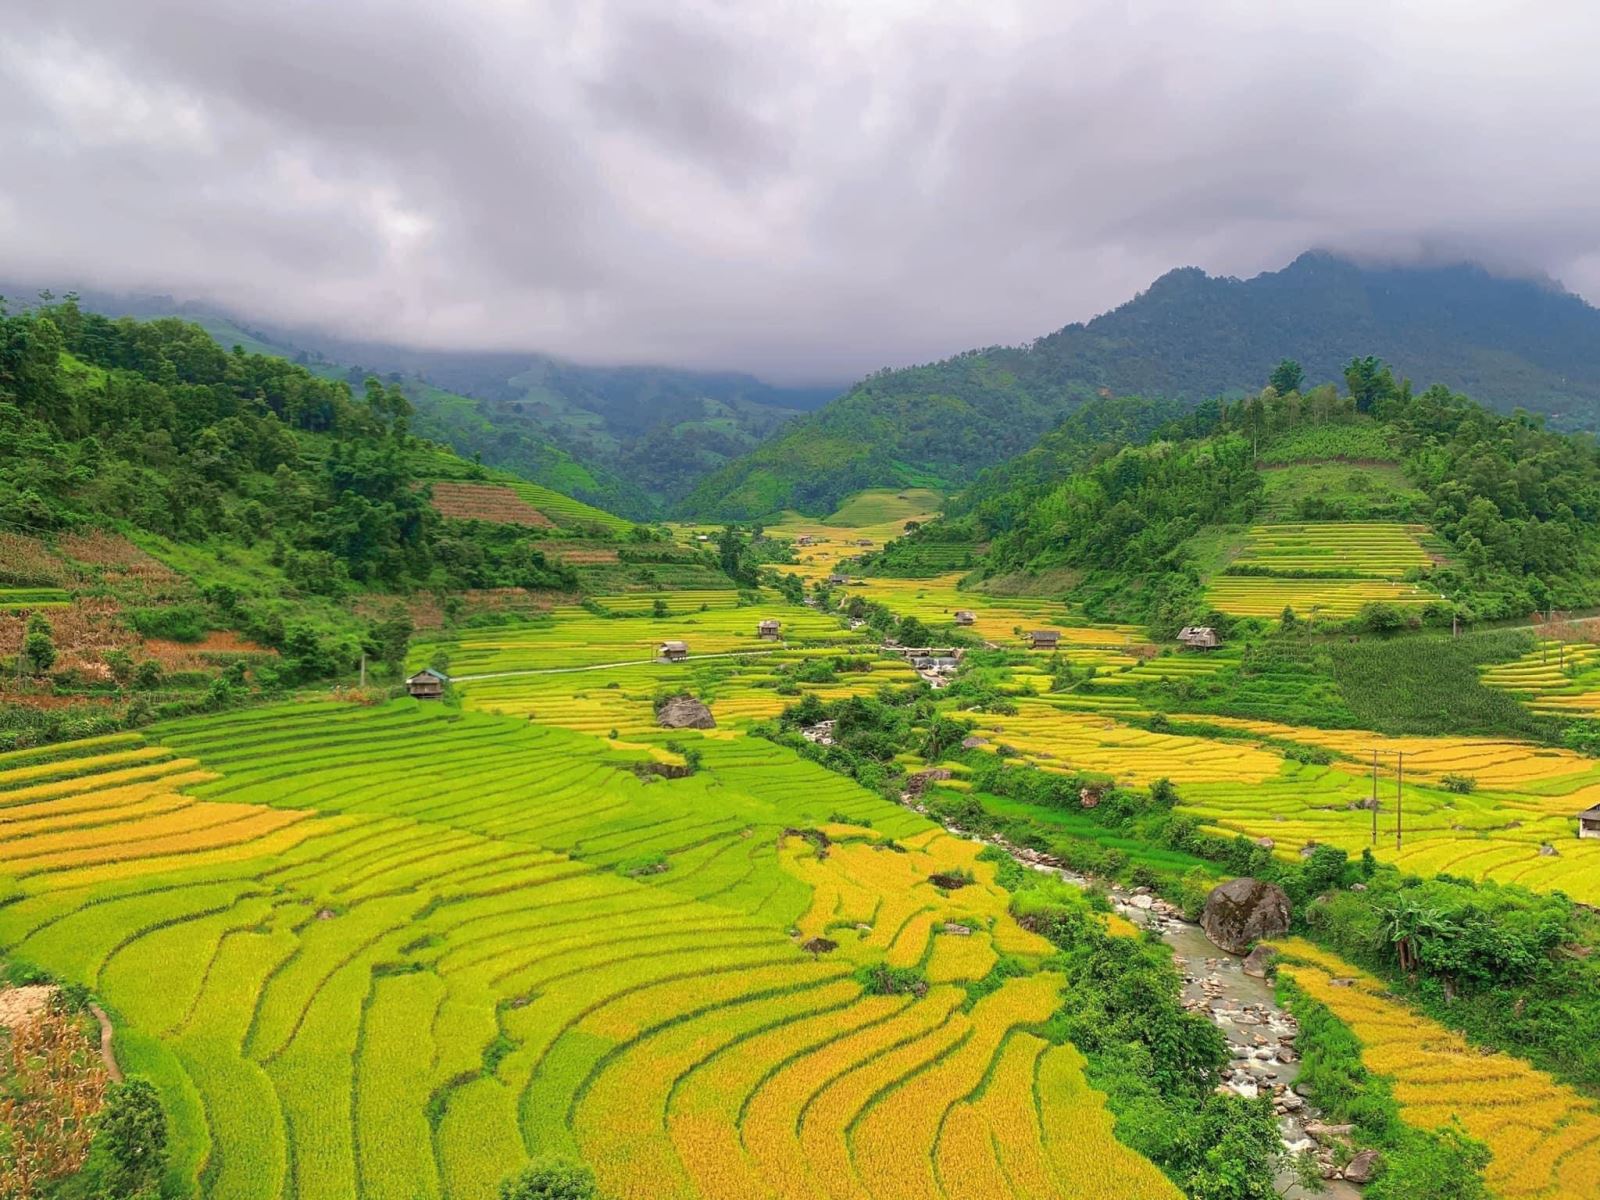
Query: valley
[710,871]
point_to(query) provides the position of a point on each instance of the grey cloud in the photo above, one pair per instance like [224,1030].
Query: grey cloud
[803,190]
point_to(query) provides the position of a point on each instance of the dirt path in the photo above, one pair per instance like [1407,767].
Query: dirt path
[107,1054]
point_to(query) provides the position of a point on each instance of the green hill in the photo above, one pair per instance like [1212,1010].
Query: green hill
[156,490]
[1190,337]
[1387,508]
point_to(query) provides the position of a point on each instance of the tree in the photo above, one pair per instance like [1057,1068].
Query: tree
[549,1179]
[38,646]
[130,1144]
[1369,382]
[1287,377]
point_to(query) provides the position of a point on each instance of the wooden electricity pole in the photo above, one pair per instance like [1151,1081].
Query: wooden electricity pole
[1374,797]
[1399,796]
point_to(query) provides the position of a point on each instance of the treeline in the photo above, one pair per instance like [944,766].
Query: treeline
[150,426]
[1516,502]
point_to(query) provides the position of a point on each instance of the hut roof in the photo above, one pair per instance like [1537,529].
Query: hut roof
[674,645]
[1592,814]
[429,673]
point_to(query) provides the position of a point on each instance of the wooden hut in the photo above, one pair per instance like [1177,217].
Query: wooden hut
[1199,637]
[803,540]
[427,684]
[965,616]
[1043,639]
[673,651]
[1589,822]
[767,630]
[837,579]
[863,541]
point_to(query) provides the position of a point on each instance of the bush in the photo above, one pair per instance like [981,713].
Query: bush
[549,1179]
[180,623]
[1460,784]
[130,1146]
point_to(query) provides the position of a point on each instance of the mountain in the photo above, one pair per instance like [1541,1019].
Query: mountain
[1190,336]
[631,439]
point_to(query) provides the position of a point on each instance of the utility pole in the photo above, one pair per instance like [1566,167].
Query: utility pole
[1399,796]
[1374,797]
[363,670]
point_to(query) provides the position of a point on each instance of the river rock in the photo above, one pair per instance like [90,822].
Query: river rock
[1242,911]
[1259,960]
[1363,1167]
[684,712]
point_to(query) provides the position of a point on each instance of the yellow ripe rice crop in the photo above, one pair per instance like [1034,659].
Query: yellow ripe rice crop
[1544,1137]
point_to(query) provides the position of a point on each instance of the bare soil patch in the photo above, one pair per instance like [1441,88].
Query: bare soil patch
[486,502]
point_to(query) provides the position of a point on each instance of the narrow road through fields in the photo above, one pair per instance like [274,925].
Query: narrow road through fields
[632,662]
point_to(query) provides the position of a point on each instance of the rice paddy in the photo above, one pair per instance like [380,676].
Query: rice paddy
[1543,1136]
[399,950]
[33,597]
[1325,569]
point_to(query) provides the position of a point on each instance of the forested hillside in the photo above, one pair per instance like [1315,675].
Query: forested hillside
[630,439]
[1133,520]
[1190,337]
[154,486]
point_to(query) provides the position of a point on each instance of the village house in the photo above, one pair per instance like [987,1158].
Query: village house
[673,651]
[1043,639]
[427,684]
[768,630]
[1589,822]
[965,616]
[1199,637]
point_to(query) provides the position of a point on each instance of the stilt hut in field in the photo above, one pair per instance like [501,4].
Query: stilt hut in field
[673,651]
[1199,637]
[1589,822]
[1043,639]
[965,616]
[767,630]
[427,684]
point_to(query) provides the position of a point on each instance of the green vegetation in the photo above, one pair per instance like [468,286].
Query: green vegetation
[1417,1165]
[1187,338]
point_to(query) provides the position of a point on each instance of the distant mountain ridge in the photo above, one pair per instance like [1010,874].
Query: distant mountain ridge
[1188,337]
[631,439]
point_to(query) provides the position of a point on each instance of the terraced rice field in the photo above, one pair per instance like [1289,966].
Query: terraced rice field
[564,510]
[997,619]
[1266,596]
[396,951]
[573,636]
[1544,1137]
[1561,681]
[1381,549]
[33,597]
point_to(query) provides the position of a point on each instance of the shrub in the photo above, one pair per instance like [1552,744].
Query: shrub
[130,1146]
[1460,784]
[549,1179]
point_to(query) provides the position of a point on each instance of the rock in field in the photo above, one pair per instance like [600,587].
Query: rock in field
[1363,1167]
[684,712]
[1242,911]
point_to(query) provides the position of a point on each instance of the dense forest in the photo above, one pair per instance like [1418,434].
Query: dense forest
[632,440]
[1190,337]
[1517,503]
[284,485]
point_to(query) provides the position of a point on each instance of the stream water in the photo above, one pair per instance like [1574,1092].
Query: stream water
[1260,1033]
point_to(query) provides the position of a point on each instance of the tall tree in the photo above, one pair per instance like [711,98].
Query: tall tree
[1287,377]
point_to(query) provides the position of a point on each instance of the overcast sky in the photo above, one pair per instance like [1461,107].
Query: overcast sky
[808,190]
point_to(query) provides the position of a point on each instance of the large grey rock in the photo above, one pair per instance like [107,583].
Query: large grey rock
[1363,1167]
[1242,911]
[1259,961]
[684,712]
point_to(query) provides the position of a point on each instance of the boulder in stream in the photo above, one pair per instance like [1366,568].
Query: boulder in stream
[1242,911]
